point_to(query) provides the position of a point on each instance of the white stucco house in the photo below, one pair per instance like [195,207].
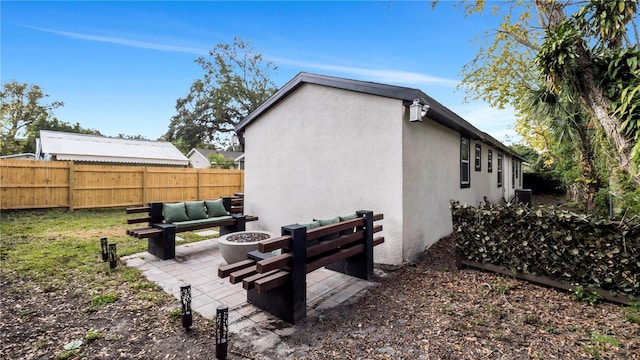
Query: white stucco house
[324,146]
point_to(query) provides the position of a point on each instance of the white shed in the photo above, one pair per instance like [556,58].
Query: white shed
[88,149]
[324,146]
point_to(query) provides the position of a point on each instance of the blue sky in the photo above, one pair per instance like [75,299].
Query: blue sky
[120,66]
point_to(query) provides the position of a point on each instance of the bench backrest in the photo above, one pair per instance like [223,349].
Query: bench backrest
[233,205]
[306,250]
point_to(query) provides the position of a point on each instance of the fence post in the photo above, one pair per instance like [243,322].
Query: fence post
[71,185]
[199,174]
[144,185]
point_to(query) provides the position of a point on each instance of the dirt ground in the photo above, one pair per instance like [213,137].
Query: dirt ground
[429,310]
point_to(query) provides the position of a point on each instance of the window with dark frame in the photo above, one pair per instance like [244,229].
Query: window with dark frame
[499,170]
[478,157]
[465,170]
[490,160]
[513,173]
[520,170]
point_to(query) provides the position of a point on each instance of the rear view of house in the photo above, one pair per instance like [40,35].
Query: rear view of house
[325,146]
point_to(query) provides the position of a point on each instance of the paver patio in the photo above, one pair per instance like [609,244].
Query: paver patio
[197,264]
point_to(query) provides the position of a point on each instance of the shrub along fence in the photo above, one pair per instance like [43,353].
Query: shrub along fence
[28,184]
[553,247]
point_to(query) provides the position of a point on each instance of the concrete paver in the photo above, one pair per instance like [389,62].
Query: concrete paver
[197,264]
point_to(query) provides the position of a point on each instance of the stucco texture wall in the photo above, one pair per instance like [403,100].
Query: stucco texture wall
[324,152]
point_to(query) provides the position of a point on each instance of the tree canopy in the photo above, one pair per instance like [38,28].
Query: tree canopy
[24,114]
[236,80]
[21,107]
[570,70]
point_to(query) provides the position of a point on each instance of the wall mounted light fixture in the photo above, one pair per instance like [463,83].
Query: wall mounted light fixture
[417,111]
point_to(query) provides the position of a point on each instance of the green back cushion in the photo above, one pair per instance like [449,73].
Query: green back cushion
[215,208]
[312,225]
[345,218]
[348,217]
[328,221]
[175,212]
[195,210]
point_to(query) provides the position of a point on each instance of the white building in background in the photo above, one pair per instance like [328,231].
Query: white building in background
[92,149]
[324,146]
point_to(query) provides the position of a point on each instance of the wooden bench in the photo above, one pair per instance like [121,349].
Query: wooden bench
[277,283]
[162,235]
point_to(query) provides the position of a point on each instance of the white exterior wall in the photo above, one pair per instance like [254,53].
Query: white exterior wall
[324,152]
[431,178]
[198,161]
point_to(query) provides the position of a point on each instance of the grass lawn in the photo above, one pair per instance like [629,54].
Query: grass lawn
[56,290]
[55,255]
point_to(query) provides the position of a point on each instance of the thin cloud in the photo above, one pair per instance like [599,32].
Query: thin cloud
[381,75]
[124,42]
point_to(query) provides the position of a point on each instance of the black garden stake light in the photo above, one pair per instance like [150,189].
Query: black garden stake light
[105,249]
[185,299]
[222,331]
[113,260]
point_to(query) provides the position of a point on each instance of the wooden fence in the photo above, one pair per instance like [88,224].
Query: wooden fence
[28,184]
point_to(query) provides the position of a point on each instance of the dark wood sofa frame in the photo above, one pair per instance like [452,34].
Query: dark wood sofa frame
[277,283]
[162,236]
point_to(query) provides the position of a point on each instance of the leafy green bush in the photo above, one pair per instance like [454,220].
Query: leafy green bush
[575,248]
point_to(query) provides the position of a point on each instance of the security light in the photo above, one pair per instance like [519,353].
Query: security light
[417,111]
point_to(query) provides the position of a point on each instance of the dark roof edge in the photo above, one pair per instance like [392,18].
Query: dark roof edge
[437,112]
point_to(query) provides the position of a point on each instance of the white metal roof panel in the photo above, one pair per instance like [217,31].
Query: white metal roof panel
[80,147]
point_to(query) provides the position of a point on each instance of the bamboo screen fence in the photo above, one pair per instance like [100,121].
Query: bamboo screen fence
[28,184]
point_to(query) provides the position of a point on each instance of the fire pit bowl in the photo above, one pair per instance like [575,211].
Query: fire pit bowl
[235,246]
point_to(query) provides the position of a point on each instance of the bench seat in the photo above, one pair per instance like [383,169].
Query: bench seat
[202,223]
[162,226]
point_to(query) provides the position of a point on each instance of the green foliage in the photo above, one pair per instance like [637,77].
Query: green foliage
[21,105]
[577,56]
[598,343]
[632,312]
[530,154]
[103,300]
[574,248]
[619,75]
[586,295]
[175,314]
[67,354]
[92,336]
[218,161]
[236,80]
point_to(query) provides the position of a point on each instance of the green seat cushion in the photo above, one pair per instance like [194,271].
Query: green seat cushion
[215,208]
[174,212]
[195,210]
[203,222]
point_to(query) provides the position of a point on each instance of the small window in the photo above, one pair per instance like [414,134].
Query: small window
[465,173]
[520,171]
[499,170]
[513,173]
[478,157]
[490,160]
